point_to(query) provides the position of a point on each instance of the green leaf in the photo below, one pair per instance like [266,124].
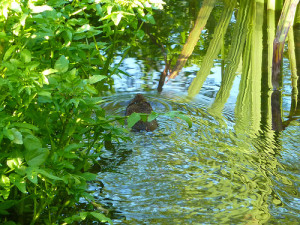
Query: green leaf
[84,28]
[140,34]
[26,55]
[62,64]
[25,125]
[67,165]
[116,17]
[45,94]
[5,186]
[31,142]
[31,175]
[9,52]
[8,133]
[186,119]
[181,116]
[89,176]
[18,139]
[80,217]
[40,9]
[150,18]
[14,135]
[133,119]
[46,174]
[96,78]
[91,89]
[17,180]
[152,116]
[88,196]
[4,181]
[101,217]
[144,117]
[36,157]
[15,7]
[49,71]
[73,146]
[14,163]
[71,75]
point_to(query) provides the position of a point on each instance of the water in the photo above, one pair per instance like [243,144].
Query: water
[208,174]
[231,167]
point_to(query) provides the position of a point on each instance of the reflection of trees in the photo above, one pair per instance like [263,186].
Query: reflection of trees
[247,47]
[258,110]
[230,174]
[163,41]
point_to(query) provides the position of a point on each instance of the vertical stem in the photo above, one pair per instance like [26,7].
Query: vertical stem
[34,207]
[293,67]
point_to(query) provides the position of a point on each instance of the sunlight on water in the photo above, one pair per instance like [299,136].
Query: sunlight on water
[178,175]
[234,166]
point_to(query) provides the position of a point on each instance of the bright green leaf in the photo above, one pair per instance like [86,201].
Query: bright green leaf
[186,119]
[84,28]
[9,52]
[91,89]
[96,78]
[18,138]
[15,7]
[133,119]
[49,71]
[14,163]
[45,94]
[14,135]
[26,55]
[116,17]
[152,116]
[17,180]
[4,181]
[181,116]
[31,175]
[62,64]
[101,217]
[39,9]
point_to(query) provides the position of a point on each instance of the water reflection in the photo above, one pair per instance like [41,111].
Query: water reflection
[238,164]
[207,174]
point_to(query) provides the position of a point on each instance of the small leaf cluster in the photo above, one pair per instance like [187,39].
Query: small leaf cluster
[135,117]
[56,60]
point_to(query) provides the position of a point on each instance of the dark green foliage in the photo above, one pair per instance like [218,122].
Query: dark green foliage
[56,61]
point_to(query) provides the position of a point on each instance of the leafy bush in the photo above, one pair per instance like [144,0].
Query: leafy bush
[56,59]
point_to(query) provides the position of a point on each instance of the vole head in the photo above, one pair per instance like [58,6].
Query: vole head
[138,98]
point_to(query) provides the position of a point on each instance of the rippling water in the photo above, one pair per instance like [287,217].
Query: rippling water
[207,174]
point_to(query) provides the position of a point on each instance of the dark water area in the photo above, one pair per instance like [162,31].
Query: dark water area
[231,167]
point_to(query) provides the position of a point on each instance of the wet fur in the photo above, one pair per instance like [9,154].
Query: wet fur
[140,105]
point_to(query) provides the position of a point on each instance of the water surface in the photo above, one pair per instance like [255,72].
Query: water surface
[231,167]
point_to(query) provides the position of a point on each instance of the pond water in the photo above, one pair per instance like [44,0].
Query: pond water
[227,169]
[207,174]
